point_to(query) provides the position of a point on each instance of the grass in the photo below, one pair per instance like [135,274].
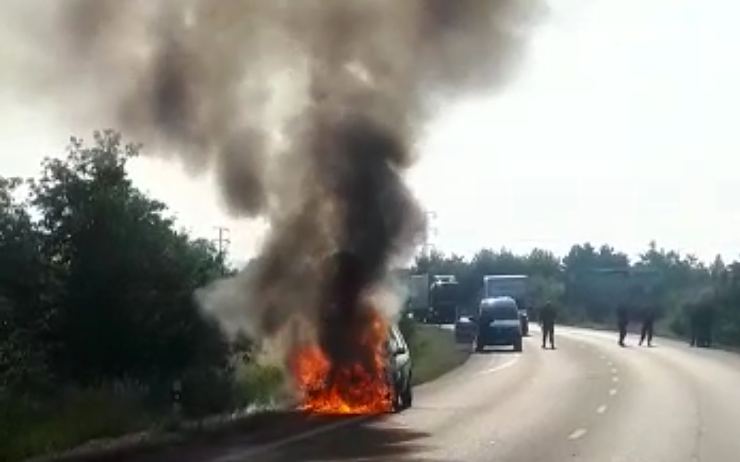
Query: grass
[434,352]
[29,428]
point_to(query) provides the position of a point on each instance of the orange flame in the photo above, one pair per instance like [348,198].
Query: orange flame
[352,389]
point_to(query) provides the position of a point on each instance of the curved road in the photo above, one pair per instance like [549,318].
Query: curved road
[589,400]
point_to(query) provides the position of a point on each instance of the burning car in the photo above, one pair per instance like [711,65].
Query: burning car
[399,370]
[383,385]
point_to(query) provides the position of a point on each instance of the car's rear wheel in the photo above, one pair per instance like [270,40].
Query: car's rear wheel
[407,396]
[397,405]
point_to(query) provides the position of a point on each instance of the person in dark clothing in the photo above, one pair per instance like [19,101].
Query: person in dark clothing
[701,319]
[692,311]
[648,320]
[708,325]
[547,320]
[622,322]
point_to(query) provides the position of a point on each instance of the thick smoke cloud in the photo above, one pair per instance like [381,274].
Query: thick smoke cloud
[305,110]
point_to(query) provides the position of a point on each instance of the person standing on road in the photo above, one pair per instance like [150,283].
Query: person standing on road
[648,320]
[701,320]
[622,322]
[547,320]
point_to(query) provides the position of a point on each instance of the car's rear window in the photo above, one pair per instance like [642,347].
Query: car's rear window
[503,312]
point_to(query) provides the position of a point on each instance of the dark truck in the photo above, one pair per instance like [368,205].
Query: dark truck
[443,301]
[434,302]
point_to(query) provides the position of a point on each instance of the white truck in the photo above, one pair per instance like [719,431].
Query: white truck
[514,286]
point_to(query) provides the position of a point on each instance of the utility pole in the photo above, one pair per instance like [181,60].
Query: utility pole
[428,246]
[222,243]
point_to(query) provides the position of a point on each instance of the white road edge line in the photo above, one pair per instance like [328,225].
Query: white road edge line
[245,455]
[578,433]
[508,363]
[601,409]
[612,392]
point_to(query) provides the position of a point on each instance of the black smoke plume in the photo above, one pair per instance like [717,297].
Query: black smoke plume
[305,110]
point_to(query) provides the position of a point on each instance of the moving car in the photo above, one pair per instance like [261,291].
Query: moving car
[399,370]
[498,323]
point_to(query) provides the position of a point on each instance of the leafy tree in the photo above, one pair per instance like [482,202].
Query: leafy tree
[23,318]
[125,308]
[543,263]
[596,280]
[718,270]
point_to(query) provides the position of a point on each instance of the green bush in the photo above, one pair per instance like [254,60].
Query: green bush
[258,384]
[207,391]
[728,325]
[31,427]
[677,323]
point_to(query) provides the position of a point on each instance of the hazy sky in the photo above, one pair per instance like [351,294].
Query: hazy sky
[620,128]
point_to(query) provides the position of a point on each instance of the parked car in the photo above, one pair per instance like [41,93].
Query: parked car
[498,323]
[466,329]
[399,370]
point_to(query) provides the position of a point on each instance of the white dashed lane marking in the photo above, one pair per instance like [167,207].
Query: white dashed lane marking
[508,363]
[615,379]
[612,392]
[578,433]
[614,370]
[601,409]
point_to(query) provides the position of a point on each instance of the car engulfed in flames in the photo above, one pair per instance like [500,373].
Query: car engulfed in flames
[361,386]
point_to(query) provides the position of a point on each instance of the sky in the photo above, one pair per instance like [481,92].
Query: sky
[619,128]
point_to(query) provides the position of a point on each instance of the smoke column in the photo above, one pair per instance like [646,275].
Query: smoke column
[305,110]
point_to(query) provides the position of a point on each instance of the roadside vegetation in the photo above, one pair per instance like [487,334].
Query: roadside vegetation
[97,318]
[99,332]
[433,351]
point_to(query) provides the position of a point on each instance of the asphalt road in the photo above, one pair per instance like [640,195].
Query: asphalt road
[589,400]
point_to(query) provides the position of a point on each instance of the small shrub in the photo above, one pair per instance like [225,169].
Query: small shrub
[258,384]
[207,390]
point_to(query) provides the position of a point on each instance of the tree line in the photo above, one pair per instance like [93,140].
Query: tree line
[589,283]
[96,293]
